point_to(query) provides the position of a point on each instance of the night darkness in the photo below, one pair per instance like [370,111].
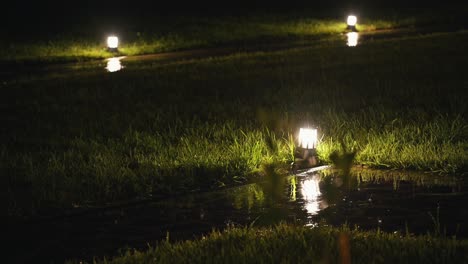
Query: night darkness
[53,12]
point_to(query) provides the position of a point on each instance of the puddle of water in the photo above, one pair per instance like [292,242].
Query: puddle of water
[114,64]
[312,196]
[390,201]
[395,202]
[352,39]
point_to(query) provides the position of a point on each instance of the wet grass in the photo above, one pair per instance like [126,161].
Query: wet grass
[293,244]
[162,35]
[158,129]
[85,40]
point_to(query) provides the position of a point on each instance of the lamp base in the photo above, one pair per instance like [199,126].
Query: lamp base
[351,28]
[304,159]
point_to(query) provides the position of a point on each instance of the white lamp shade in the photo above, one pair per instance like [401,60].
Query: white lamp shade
[308,138]
[352,20]
[112,42]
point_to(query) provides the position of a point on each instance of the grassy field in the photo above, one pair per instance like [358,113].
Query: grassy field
[161,34]
[291,244]
[154,129]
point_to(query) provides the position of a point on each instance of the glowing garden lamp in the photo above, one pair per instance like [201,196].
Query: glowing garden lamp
[307,153]
[112,43]
[351,21]
[308,138]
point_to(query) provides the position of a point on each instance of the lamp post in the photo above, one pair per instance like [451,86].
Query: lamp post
[307,152]
[113,43]
[351,21]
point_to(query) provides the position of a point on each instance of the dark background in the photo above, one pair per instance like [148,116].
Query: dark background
[22,17]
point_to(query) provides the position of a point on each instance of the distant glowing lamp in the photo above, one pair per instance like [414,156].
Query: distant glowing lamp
[113,43]
[352,20]
[352,39]
[308,138]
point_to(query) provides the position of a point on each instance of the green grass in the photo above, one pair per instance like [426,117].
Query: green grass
[162,35]
[53,51]
[85,39]
[293,244]
[154,129]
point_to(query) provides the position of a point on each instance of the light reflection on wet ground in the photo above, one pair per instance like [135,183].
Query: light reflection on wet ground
[16,72]
[114,64]
[352,39]
[390,201]
[312,196]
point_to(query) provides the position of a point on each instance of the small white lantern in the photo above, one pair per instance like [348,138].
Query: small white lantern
[352,20]
[352,39]
[308,138]
[112,42]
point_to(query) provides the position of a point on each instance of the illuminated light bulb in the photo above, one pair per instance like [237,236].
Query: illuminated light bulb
[112,42]
[352,20]
[352,39]
[308,138]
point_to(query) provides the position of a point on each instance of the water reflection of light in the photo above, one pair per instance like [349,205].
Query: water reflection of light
[311,193]
[352,39]
[114,64]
